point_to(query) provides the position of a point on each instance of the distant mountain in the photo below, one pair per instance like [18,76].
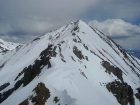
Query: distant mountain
[73,65]
[135,53]
[6,46]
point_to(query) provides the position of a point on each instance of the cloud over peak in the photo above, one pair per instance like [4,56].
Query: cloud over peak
[116,28]
[22,20]
[124,33]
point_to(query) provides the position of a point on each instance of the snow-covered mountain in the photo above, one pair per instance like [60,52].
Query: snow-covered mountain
[74,65]
[5,46]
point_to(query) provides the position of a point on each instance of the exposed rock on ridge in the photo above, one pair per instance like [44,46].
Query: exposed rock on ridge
[77,63]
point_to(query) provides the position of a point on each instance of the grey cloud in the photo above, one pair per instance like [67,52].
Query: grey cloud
[20,19]
[129,43]
[50,8]
[30,26]
[25,26]
[36,17]
[120,9]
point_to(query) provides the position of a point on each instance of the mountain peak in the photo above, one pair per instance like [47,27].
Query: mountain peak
[6,46]
[73,65]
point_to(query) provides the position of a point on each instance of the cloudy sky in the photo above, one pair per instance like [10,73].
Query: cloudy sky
[23,20]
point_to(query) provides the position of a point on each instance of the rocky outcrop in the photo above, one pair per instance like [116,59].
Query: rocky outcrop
[2,65]
[77,53]
[138,94]
[36,39]
[23,71]
[3,50]
[25,102]
[56,100]
[6,94]
[86,47]
[4,86]
[42,94]
[30,73]
[18,84]
[34,70]
[48,52]
[122,91]
[111,69]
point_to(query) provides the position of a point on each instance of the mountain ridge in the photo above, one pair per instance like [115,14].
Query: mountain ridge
[4,45]
[73,65]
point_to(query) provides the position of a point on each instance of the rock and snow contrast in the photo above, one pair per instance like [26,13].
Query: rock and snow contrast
[4,46]
[74,65]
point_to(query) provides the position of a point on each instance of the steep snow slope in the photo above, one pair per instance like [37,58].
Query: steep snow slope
[74,65]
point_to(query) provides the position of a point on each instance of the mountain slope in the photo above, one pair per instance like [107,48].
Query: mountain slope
[74,65]
[7,45]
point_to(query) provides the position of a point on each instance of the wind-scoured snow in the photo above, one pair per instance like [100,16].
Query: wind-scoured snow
[76,76]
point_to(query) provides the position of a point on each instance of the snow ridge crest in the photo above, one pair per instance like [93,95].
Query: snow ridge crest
[74,65]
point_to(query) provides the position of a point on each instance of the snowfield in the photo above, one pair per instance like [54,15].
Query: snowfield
[71,68]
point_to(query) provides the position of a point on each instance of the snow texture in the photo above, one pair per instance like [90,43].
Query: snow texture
[75,78]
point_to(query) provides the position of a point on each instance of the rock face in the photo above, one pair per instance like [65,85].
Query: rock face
[25,102]
[34,70]
[122,91]
[29,73]
[4,86]
[111,69]
[6,94]
[74,65]
[78,53]
[42,94]
[138,94]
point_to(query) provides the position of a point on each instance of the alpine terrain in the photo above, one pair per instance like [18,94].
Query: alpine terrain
[74,65]
[5,46]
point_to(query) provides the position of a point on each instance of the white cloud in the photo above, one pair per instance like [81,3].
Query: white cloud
[116,28]
[23,18]
[124,33]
